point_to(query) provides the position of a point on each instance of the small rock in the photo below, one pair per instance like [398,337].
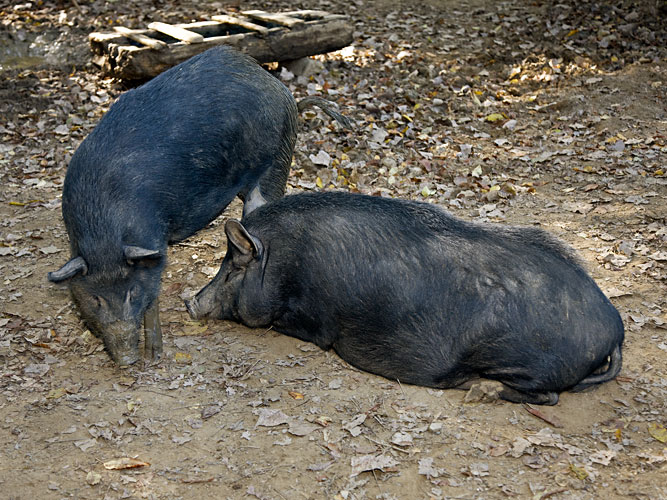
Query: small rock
[335,384]
[93,478]
[435,427]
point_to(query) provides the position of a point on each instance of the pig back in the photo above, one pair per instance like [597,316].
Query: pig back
[179,148]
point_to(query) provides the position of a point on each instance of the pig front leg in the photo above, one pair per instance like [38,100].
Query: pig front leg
[152,332]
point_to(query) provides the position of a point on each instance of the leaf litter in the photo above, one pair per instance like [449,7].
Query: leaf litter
[518,112]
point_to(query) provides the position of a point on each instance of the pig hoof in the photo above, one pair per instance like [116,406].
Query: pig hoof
[152,353]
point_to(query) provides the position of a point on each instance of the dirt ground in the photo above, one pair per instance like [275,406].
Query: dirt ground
[521,112]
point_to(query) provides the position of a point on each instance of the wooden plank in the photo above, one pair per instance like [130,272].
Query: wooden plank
[314,15]
[243,23]
[206,29]
[277,18]
[278,45]
[176,32]
[198,26]
[139,36]
[306,13]
[314,36]
[103,38]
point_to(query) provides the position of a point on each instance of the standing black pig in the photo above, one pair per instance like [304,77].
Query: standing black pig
[164,161]
[405,290]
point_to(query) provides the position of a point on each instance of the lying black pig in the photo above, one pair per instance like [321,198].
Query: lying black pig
[404,290]
[164,161]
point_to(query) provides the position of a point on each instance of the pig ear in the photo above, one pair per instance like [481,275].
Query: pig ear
[72,268]
[246,246]
[134,254]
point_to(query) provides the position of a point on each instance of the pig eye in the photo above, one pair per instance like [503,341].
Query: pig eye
[134,293]
[97,301]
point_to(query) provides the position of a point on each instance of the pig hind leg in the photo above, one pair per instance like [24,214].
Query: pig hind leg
[515,396]
[538,398]
[528,376]
[520,385]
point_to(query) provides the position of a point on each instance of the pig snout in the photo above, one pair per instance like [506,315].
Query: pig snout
[122,342]
[205,304]
[126,359]
[192,305]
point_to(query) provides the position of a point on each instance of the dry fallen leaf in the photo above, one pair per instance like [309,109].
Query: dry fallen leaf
[519,446]
[182,357]
[371,462]
[426,468]
[271,418]
[545,437]
[479,469]
[322,158]
[323,420]
[180,440]
[124,463]
[552,420]
[193,328]
[210,410]
[56,393]
[353,426]
[654,459]
[494,117]
[299,428]
[602,457]
[402,439]
[579,472]
[320,466]
[497,451]
[39,369]
[51,249]
[658,431]
[84,444]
